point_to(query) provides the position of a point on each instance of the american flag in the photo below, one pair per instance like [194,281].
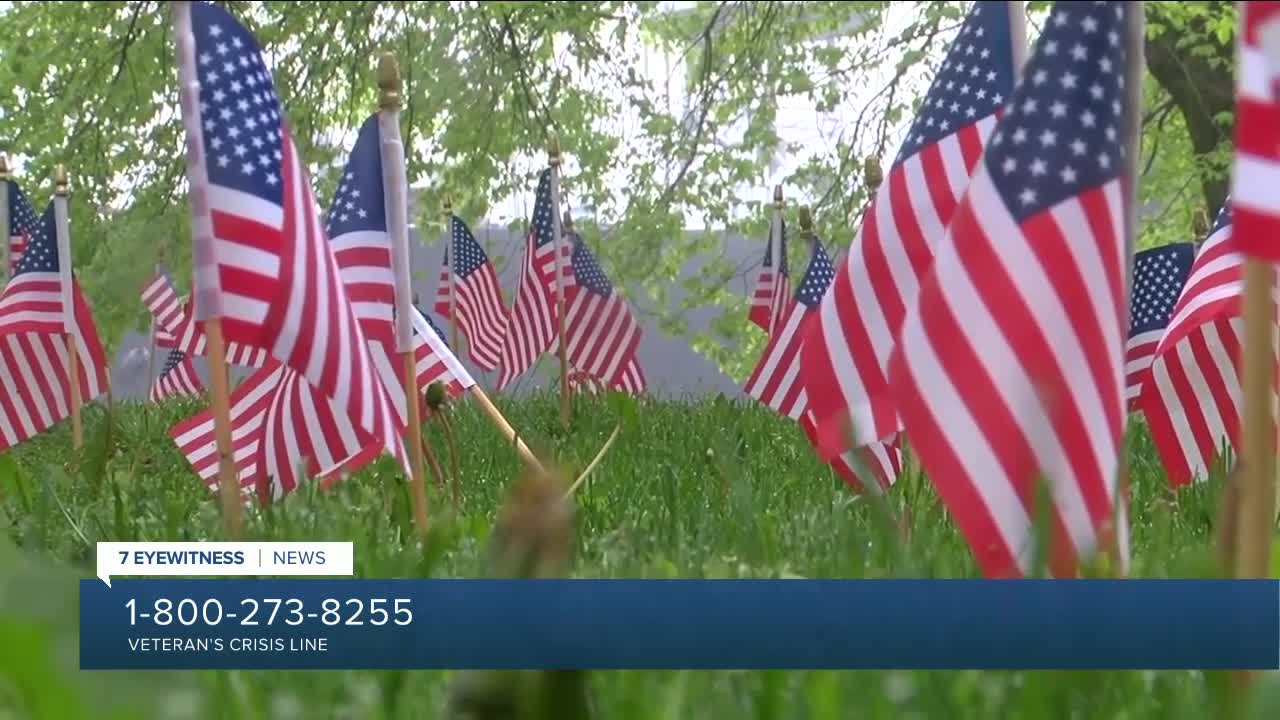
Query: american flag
[531,325]
[1010,367]
[22,224]
[167,312]
[1191,398]
[262,261]
[1158,277]
[773,289]
[249,403]
[481,312]
[846,353]
[357,228]
[1257,160]
[35,391]
[601,332]
[295,430]
[776,381]
[281,425]
[178,378]
[176,328]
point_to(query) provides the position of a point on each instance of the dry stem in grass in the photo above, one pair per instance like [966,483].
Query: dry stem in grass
[532,539]
[438,405]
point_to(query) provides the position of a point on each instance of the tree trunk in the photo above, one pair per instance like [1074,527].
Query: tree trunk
[1202,88]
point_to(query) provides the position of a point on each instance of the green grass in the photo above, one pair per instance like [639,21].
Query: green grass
[707,489]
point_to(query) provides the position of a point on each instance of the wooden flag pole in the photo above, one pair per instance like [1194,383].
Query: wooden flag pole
[394,186]
[60,192]
[7,256]
[206,299]
[451,254]
[566,393]
[228,478]
[509,432]
[151,359]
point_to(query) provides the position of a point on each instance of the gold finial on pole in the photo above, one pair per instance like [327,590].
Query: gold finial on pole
[806,221]
[60,180]
[4,167]
[872,173]
[1199,226]
[389,82]
[553,148]
[777,196]
[448,207]
[566,224]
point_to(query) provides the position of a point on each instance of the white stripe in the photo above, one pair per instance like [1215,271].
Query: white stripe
[235,202]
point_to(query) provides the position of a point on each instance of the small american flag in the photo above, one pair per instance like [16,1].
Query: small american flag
[846,353]
[176,328]
[262,261]
[295,430]
[22,223]
[1158,277]
[773,289]
[1257,161]
[249,404]
[35,390]
[481,312]
[283,430]
[531,325]
[357,228]
[1010,368]
[1191,397]
[601,332]
[167,312]
[776,380]
[178,378]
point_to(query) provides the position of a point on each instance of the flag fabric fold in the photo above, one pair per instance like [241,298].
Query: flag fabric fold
[1009,369]
[777,383]
[287,428]
[602,334]
[35,382]
[469,280]
[845,356]
[531,325]
[263,262]
[178,378]
[772,293]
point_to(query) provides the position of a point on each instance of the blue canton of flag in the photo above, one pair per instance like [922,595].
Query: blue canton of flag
[239,107]
[969,83]
[587,272]
[1158,276]
[358,204]
[42,252]
[1065,131]
[22,218]
[542,227]
[470,256]
[817,278]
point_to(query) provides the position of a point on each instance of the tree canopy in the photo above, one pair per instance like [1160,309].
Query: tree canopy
[93,85]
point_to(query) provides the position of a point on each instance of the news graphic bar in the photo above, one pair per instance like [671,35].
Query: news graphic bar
[679,624]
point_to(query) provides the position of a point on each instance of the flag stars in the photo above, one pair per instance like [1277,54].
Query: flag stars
[1074,144]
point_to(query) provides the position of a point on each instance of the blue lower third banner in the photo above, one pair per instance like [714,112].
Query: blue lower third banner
[686,624]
